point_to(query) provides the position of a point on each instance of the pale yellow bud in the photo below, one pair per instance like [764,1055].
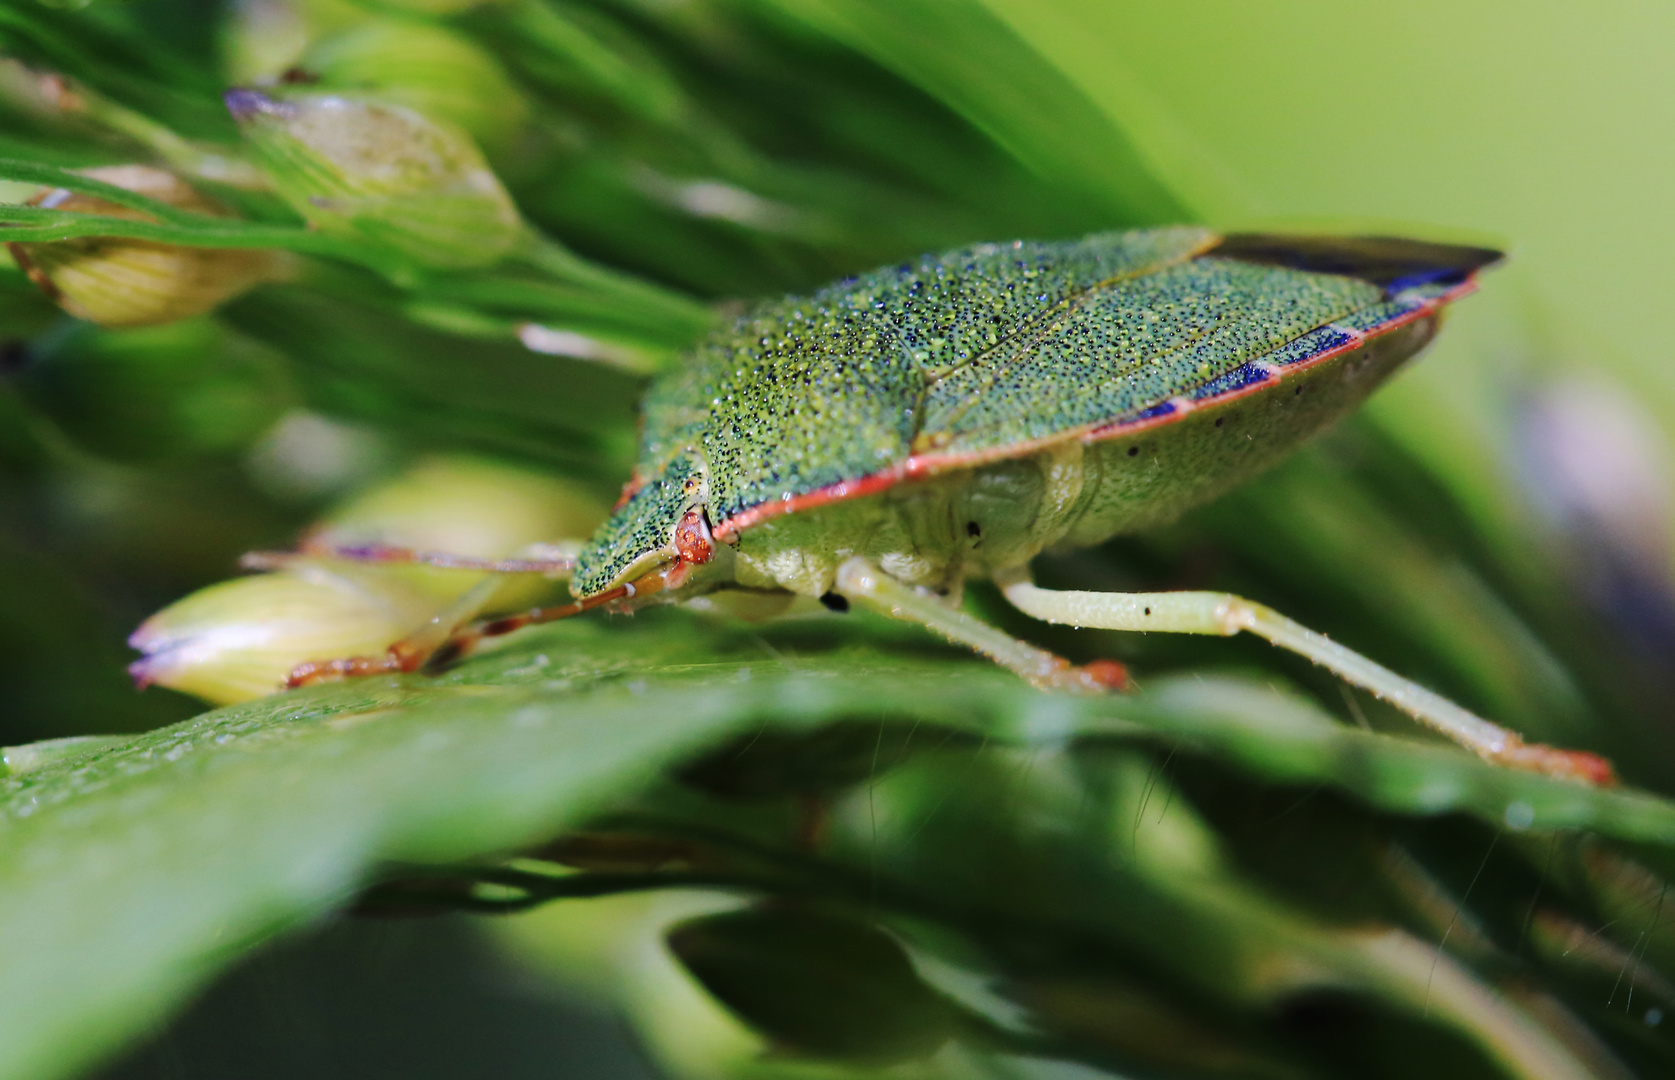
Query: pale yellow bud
[239,639]
[114,281]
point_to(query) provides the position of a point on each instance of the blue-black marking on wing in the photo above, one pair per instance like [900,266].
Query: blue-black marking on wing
[1393,263]
[1346,331]
[1309,346]
[1240,377]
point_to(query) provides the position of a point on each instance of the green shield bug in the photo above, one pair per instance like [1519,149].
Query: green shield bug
[885,438]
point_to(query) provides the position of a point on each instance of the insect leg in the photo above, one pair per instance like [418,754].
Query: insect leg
[449,634]
[863,583]
[408,654]
[1224,614]
[414,650]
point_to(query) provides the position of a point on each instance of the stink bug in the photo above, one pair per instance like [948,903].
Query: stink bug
[885,438]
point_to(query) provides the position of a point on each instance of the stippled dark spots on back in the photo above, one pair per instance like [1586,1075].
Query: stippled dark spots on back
[646,522]
[805,392]
[993,351]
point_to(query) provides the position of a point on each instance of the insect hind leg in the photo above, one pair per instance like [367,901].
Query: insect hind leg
[862,583]
[1223,614]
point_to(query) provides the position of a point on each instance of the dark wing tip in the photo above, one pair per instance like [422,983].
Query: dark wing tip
[1387,261]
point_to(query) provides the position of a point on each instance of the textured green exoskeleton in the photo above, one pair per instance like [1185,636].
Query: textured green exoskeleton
[891,435]
[1006,372]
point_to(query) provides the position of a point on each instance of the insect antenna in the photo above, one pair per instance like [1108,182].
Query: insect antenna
[559,565]
[462,641]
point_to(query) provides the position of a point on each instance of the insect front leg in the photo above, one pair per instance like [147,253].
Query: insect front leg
[863,583]
[444,629]
[1223,614]
[408,654]
[451,633]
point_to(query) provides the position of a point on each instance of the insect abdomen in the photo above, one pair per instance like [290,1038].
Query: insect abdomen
[1150,477]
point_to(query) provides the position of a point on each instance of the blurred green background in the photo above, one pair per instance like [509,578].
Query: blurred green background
[1535,126]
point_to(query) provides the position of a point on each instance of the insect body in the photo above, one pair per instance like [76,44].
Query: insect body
[892,435]
[1037,393]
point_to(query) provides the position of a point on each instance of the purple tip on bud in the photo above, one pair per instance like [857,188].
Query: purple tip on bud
[244,102]
[141,672]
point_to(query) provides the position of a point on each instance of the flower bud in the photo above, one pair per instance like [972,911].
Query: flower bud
[466,506]
[430,69]
[115,281]
[380,173]
[239,639]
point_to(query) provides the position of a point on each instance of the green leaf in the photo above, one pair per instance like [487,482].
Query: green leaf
[967,57]
[582,287]
[818,983]
[29,172]
[132,873]
[24,224]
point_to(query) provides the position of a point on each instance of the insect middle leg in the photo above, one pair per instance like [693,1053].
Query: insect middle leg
[863,583]
[1224,614]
